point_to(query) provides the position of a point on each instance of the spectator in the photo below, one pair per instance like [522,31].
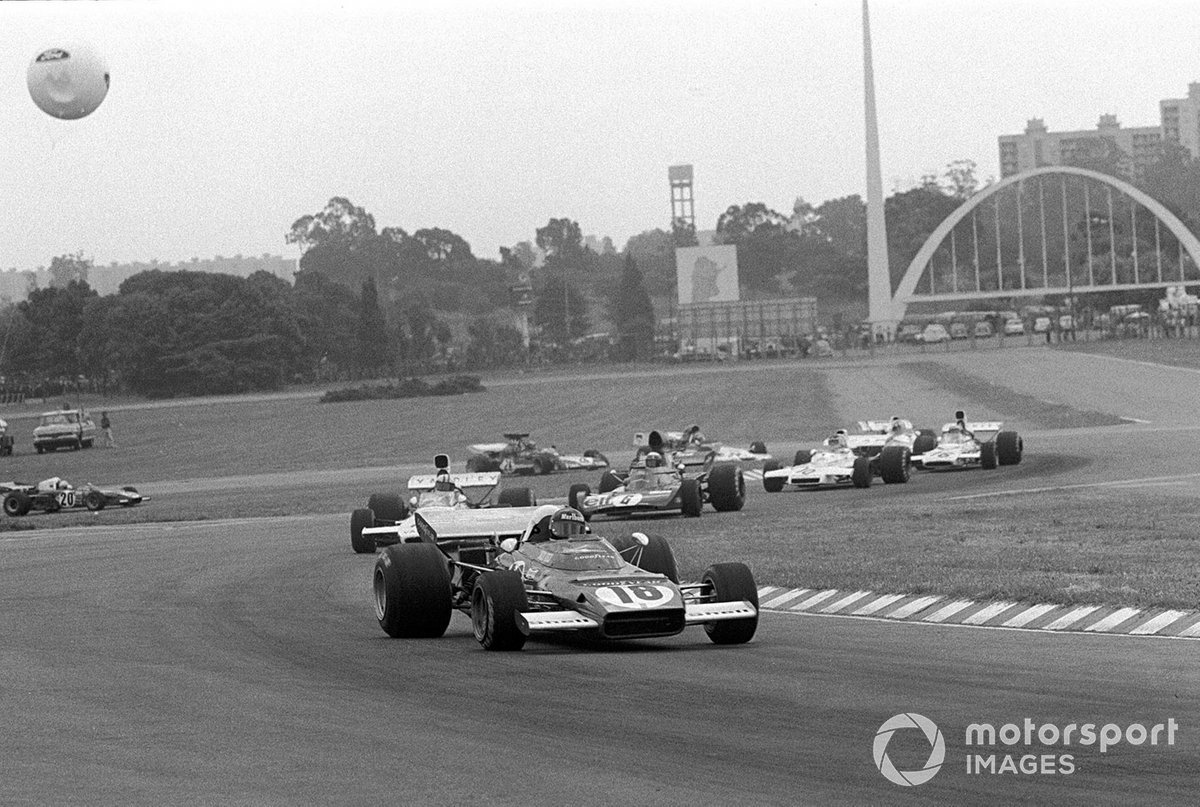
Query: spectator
[106,430]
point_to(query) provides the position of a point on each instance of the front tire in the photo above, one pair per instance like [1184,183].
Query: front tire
[862,475]
[726,488]
[496,601]
[94,500]
[359,519]
[732,582]
[926,440]
[411,586]
[690,500]
[772,484]
[758,447]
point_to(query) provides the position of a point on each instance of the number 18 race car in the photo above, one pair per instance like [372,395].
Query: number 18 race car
[554,576]
[54,494]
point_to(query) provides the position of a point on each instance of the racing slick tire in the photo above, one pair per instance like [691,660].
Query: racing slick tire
[609,482]
[592,453]
[732,582]
[772,485]
[926,440]
[655,557]
[803,457]
[576,495]
[16,503]
[411,588]
[129,489]
[895,464]
[387,507]
[691,502]
[726,487]
[1009,448]
[479,464]
[758,447]
[543,466]
[360,518]
[516,497]
[94,500]
[496,601]
[862,475]
[987,455]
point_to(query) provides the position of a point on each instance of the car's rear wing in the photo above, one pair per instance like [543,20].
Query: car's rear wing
[488,448]
[468,480]
[866,440]
[881,426]
[983,430]
[499,523]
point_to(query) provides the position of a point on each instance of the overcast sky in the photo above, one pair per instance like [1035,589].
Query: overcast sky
[228,121]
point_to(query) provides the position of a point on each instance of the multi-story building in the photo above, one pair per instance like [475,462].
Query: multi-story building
[1179,123]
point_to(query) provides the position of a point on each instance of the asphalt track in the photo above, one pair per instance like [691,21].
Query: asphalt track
[238,662]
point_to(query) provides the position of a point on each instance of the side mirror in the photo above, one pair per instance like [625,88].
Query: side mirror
[412,501]
[641,538]
[509,544]
[639,439]
[441,461]
[959,415]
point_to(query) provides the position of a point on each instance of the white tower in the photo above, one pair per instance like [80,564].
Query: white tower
[879,281]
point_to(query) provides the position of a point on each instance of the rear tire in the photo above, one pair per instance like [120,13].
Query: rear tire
[775,484]
[691,502]
[732,582]
[1009,448]
[411,586]
[576,496]
[496,600]
[895,464]
[516,497]
[758,447]
[609,482]
[862,475]
[655,557]
[726,488]
[359,519]
[16,503]
[388,507]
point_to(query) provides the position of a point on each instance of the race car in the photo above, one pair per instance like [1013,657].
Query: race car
[520,455]
[964,445]
[654,485]
[848,459]
[691,441]
[388,519]
[554,576]
[54,494]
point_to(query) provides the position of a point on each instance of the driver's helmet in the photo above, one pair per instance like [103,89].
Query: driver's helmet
[954,434]
[654,460]
[837,439]
[897,425]
[444,483]
[567,522]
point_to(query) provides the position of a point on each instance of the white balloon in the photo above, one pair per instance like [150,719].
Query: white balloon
[68,82]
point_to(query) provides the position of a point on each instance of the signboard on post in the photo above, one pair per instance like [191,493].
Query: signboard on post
[707,274]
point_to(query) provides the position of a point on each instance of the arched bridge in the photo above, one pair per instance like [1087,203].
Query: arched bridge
[1047,231]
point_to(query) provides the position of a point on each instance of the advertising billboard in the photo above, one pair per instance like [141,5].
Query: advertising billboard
[707,274]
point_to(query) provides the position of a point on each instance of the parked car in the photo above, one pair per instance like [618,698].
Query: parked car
[1041,324]
[958,330]
[935,333]
[983,330]
[64,428]
[1066,323]
[1014,327]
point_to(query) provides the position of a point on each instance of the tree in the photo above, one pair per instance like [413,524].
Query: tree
[843,223]
[654,252]
[66,269]
[959,179]
[737,224]
[633,315]
[374,355]
[561,311]
[561,238]
[493,342]
[341,223]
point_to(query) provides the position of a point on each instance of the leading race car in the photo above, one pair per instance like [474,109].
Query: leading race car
[54,494]
[964,445]
[388,519]
[653,485]
[849,459]
[520,455]
[555,576]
